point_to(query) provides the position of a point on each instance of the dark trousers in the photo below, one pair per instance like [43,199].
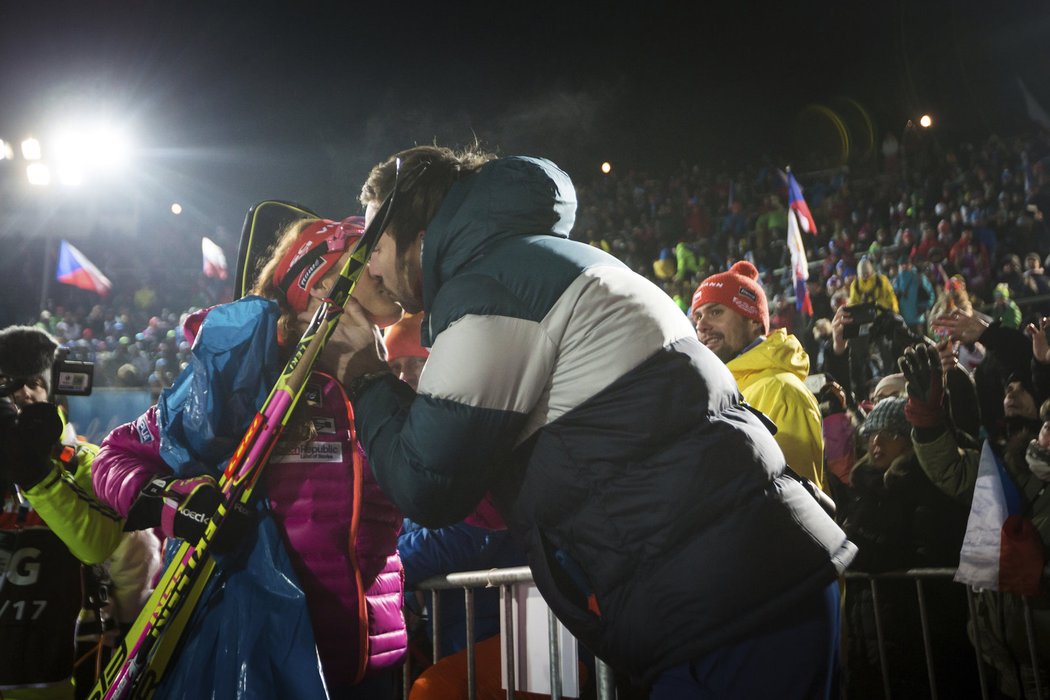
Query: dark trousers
[796,657]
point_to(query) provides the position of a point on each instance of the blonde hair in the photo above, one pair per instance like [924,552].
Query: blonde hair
[288,324]
[301,429]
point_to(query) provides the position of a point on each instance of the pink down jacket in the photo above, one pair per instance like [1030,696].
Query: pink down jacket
[341,531]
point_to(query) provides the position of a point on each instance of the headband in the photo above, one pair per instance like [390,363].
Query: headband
[317,249]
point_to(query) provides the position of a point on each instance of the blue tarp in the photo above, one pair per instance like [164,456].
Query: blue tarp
[250,635]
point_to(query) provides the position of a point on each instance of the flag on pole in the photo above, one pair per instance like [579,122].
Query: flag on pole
[214,259]
[999,551]
[74,268]
[1035,110]
[799,265]
[799,206]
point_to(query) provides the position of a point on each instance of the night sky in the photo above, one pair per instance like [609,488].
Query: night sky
[235,102]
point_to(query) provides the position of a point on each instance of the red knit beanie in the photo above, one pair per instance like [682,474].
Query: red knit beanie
[738,290]
[402,338]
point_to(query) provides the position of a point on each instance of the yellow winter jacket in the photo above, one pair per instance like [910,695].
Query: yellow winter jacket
[770,376]
[878,290]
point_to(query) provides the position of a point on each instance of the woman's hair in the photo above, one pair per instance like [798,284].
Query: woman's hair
[288,326]
[300,429]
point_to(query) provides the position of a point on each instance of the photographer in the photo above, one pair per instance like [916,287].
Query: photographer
[50,524]
[866,342]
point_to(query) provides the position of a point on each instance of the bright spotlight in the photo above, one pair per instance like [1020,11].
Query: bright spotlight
[100,148]
[111,149]
[38,174]
[70,175]
[926,121]
[6,151]
[31,149]
[176,208]
[606,167]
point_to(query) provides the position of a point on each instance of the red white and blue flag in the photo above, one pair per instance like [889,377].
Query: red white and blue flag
[799,265]
[998,552]
[214,259]
[74,268]
[799,206]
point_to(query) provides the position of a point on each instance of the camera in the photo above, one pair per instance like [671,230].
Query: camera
[871,321]
[68,378]
[862,316]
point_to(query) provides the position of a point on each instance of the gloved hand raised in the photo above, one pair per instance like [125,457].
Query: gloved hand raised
[27,440]
[921,365]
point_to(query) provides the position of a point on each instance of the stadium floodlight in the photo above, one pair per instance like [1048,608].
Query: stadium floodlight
[31,149]
[6,151]
[606,167]
[38,174]
[70,175]
[99,148]
[926,121]
[176,208]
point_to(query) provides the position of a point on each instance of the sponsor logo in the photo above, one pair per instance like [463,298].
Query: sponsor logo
[303,250]
[748,294]
[312,395]
[143,430]
[716,283]
[744,306]
[317,451]
[304,279]
[23,567]
[194,515]
[324,425]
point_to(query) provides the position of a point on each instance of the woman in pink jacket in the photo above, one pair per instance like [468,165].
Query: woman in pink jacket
[338,530]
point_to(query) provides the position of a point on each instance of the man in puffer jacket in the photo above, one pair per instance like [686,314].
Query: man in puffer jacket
[658,521]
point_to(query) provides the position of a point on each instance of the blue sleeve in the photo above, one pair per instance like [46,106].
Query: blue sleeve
[461,547]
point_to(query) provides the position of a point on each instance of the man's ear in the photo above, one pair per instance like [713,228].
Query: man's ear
[756,328]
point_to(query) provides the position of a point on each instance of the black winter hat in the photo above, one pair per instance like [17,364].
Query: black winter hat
[26,351]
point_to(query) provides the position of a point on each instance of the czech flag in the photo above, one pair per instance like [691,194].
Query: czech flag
[799,206]
[214,259]
[74,268]
[1001,550]
[799,265]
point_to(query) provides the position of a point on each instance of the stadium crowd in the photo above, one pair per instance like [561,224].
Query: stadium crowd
[926,340]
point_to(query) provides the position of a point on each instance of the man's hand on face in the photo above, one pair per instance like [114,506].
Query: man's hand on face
[355,348]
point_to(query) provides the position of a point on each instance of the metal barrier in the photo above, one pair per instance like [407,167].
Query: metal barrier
[918,576]
[506,579]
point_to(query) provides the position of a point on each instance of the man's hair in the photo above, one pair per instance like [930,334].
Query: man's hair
[416,207]
[26,351]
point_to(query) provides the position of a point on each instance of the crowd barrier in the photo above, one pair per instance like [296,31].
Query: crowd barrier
[507,579]
[95,415]
[918,576]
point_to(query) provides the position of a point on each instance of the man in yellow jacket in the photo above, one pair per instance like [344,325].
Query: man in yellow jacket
[732,319]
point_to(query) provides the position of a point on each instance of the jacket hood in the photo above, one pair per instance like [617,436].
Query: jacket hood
[506,198]
[779,353]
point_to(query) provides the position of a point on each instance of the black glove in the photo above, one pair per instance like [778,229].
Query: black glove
[182,508]
[28,440]
[921,365]
[179,507]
